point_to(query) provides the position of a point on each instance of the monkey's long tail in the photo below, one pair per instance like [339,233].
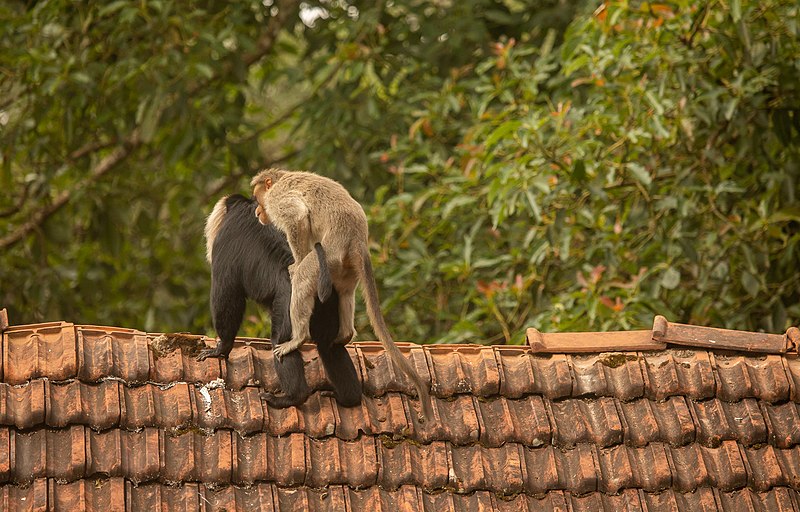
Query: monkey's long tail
[378,323]
[325,283]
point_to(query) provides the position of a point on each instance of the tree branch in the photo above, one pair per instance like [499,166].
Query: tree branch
[8,212]
[104,166]
[91,147]
[265,44]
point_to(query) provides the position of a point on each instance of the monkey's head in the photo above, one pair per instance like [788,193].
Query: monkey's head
[261,184]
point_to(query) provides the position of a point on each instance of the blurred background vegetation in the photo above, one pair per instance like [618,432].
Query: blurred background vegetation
[549,163]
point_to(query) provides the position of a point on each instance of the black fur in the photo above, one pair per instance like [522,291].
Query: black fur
[325,284]
[250,261]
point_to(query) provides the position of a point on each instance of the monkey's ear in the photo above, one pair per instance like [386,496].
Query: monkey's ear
[268,183]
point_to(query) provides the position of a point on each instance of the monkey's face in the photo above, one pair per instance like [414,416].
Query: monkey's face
[260,193]
[261,215]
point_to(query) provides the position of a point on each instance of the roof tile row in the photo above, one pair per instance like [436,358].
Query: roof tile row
[119,494]
[464,419]
[62,351]
[228,458]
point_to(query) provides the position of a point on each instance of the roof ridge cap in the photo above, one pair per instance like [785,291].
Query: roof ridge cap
[663,334]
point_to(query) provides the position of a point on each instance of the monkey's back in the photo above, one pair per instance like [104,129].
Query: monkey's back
[333,208]
[249,254]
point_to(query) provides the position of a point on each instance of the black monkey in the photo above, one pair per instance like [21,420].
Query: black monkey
[249,260]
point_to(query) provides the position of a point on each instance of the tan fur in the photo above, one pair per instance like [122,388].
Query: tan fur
[310,208]
[213,223]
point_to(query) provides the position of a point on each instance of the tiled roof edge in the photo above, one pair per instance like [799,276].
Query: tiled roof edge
[662,334]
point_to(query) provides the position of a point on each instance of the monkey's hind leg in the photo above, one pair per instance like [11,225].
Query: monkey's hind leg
[304,289]
[293,219]
[291,376]
[342,374]
[292,381]
[345,283]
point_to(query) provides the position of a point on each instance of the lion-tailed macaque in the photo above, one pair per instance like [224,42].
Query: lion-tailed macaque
[249,260]
[311,209]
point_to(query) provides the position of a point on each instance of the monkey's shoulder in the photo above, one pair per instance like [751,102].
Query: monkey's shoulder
[236,200]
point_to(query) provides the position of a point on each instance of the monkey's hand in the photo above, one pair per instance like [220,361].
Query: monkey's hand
[284,348]
[292,269]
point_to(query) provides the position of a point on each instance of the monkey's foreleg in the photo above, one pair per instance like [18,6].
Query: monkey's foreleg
[304,289]
[227,310]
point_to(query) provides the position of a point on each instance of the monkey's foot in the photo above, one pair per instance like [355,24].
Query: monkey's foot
[284,348]
[344,339]
[266,396]
[282,401]
[212,352]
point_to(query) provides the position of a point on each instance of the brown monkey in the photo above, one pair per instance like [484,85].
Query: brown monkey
[311,209]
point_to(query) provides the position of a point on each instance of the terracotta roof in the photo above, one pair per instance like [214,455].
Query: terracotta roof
[93,419]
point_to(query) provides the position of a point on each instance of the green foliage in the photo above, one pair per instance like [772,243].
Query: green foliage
[522,163]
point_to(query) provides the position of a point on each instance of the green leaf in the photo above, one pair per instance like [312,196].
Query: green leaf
[204,69]
[457,202]
[501,131]
[659,108]
[750,283]
[81,77]
[671,279]
[111,8]
[730,108]
[534,206]
[640,173]
[790,213]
